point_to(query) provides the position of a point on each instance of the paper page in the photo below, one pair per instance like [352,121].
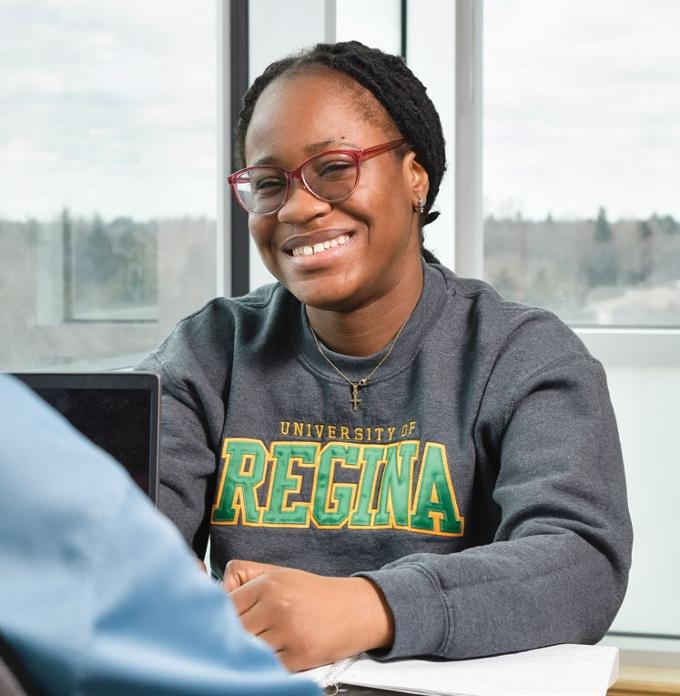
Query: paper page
[330,675]
[561,670]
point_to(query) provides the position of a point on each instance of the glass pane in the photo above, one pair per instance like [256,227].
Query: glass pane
[107,184]
[582,158]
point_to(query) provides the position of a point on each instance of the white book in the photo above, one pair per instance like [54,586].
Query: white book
[559,670]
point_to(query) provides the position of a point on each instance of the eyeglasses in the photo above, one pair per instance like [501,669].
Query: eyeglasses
[331,176]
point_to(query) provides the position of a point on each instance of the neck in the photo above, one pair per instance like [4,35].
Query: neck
[368,328]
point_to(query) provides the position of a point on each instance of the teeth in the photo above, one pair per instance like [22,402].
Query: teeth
[321,246]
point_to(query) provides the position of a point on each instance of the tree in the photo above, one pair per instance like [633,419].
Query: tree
[96,260]
[645,234]
[603,265]
[669,225]
[67,262]
[603,230]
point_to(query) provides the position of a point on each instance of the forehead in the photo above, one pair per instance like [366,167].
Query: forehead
[300,114]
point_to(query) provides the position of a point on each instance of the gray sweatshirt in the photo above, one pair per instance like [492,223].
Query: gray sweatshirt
[478,482]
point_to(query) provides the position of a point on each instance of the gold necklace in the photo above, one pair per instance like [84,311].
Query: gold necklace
[354,399]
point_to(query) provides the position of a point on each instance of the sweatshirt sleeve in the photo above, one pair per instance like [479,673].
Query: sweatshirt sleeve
[557,568]
[192,412]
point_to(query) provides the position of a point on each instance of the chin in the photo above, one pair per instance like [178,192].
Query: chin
[324,296]
[327,301]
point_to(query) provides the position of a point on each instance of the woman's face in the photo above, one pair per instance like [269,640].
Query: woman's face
[374,234]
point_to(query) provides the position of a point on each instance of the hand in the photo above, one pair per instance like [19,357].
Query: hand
[308,619]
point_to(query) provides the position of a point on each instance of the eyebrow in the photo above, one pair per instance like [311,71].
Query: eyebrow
[311,150]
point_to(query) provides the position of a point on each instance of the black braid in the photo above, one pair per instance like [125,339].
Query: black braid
[389,80]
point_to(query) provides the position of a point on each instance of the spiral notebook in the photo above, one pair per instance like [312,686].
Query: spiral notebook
[559,670]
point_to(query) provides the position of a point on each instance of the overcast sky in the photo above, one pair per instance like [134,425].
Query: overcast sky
[109,106]
[582,107]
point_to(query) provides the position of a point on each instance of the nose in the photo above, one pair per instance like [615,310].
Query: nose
[301,205]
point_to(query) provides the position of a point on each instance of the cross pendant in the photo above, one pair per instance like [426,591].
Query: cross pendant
[355,397]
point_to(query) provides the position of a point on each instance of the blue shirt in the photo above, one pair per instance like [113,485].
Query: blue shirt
[98,591]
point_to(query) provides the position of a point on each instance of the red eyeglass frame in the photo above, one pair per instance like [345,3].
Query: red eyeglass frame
[358,155]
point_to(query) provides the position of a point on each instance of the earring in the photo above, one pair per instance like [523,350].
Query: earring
[420,206]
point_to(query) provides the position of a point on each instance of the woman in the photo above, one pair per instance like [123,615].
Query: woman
[385,457]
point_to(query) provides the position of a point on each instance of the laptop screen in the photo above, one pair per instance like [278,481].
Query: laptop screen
[118,411]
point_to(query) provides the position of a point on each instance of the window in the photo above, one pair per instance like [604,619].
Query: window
[107,211]
[582,159]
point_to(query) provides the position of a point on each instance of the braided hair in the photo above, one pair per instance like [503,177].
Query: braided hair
[389,80]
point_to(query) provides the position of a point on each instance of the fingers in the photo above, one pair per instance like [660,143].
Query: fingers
[291,610]
[298,660]
[246,597]
[255,603]
[238,573]
[235,575]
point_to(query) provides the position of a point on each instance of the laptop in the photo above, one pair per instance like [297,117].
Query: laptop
[118,411]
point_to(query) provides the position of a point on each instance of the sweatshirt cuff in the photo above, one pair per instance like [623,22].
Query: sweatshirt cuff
[422,624]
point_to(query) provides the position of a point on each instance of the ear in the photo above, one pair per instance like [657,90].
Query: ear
[416,178]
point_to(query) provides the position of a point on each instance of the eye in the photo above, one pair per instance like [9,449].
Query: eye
[335,168]
[271,182]
[267,183]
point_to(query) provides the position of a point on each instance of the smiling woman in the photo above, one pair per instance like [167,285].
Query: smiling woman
[384,456]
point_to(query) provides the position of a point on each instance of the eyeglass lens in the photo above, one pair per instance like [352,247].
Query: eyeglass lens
[329,176]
